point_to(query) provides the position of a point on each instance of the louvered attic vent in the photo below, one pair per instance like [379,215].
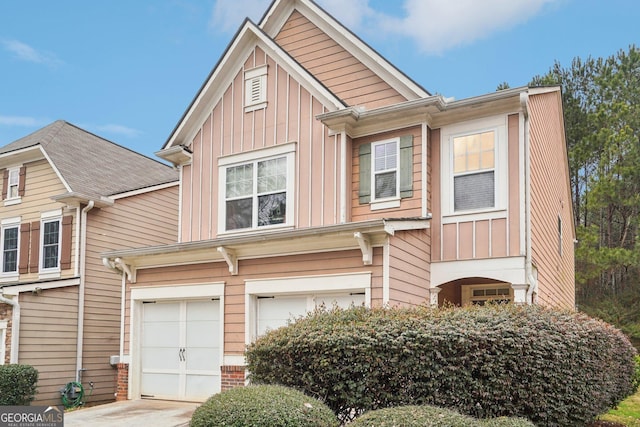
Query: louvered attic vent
[255,84]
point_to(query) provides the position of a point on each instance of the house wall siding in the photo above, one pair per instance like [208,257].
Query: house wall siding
[550,199]
[48,336]
[289,116]
[331,64]
[142,220]
[316,264]
[409,267]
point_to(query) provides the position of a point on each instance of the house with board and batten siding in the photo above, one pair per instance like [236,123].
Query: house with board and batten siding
[314,172]
[67,196]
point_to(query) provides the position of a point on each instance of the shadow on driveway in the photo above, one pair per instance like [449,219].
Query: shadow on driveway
[143,412]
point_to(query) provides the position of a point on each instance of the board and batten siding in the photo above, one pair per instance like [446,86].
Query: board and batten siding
[316,264]
[288,117]
[146,219]
[48,334]
[551,200]
[341,72]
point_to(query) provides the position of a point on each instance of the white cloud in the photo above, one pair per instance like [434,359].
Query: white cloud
[24,52]
[22,121]
[119,130]
[434,25]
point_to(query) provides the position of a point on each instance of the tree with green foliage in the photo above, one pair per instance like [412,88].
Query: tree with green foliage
[602,119]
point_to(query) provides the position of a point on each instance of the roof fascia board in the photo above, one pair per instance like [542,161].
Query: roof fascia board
[248,37]
[280,10]
[144,190]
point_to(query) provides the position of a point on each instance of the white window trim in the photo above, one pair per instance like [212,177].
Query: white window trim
[282,150]
[385,202]
[9,223]
[9,201]
[52,272]
[498,124]
[258,76]
[300,285]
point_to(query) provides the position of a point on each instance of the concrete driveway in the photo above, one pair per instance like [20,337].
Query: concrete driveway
[134,413]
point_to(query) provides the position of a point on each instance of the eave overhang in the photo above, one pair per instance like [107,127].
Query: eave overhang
[177,155]
[23,155]
[76,199]
[230,249]
[436,111]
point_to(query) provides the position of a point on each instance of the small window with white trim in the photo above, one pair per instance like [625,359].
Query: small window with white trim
[474,171]
[13,183]
[50,238]
[255,88]
[9,241]
[384,170]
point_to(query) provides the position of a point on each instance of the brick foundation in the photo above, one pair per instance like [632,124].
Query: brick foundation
[232,376]
[122,381]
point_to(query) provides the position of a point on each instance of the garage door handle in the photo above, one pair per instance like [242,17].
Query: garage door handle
[181,355]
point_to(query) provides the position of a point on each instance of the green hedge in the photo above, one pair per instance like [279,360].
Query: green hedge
[264,405]
[18,385]
[430,416]
[552,367]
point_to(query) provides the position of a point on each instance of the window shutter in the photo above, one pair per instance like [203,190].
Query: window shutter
[5,183]
[21,182]
[65,247]
[34,254]
[406,166]
[364,191]
[23,266]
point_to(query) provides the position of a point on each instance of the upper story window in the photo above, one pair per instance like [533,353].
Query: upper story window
[13,185]
[255,88]
[473,171]
[9,246]
[386,172]
[50,247]
[474,167]
[257,192]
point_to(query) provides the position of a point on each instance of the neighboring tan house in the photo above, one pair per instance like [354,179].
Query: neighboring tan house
[67,196]
[312,171]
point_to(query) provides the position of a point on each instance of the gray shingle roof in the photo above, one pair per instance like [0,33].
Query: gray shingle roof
[91,165]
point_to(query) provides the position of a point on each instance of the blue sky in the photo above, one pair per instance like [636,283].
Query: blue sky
[127,70]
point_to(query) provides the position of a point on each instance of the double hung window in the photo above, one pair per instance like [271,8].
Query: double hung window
[9,244]
[385,170]
[474,171]
[50,250]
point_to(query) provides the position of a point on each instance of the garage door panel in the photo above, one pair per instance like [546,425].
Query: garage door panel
[201,386]
[160,358]
[203,310]
[161,312]
[159,384]
[202,358]
[203,334]
[160,334]
[342,301]
[278,311]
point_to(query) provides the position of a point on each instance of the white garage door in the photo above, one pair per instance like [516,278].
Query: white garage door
[180,349]
[276,311]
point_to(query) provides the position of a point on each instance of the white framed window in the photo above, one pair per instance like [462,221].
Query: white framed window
[481,294]
[50,242]
[255,88]
[257,189]
[13,183]
[385,184]
[9,246]
[474,166]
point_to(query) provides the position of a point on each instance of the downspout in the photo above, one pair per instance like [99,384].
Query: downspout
[83,253]
[15,327]
[111,265]
[533,283]
[343,177]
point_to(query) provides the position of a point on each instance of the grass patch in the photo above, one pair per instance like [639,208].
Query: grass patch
[627,413]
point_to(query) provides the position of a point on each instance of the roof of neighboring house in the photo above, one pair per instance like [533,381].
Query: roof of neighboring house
[91,165]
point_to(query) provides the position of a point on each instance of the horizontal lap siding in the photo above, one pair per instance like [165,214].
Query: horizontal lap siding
[315,51]
[288,117]
[409,207]
[550,198]
[316,264]
[409,267]
[48,335]
[143,220]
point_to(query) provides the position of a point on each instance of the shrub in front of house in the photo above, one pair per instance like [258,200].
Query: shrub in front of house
[263,405]
[549,366]
[430,416]
[18,385]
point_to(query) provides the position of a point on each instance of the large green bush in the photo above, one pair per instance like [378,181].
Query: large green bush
[552,367]
[18,385]
[430,416]
[265,405]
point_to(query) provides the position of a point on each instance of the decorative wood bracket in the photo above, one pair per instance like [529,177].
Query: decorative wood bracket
[127,269]
[231,259]
[365,247]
